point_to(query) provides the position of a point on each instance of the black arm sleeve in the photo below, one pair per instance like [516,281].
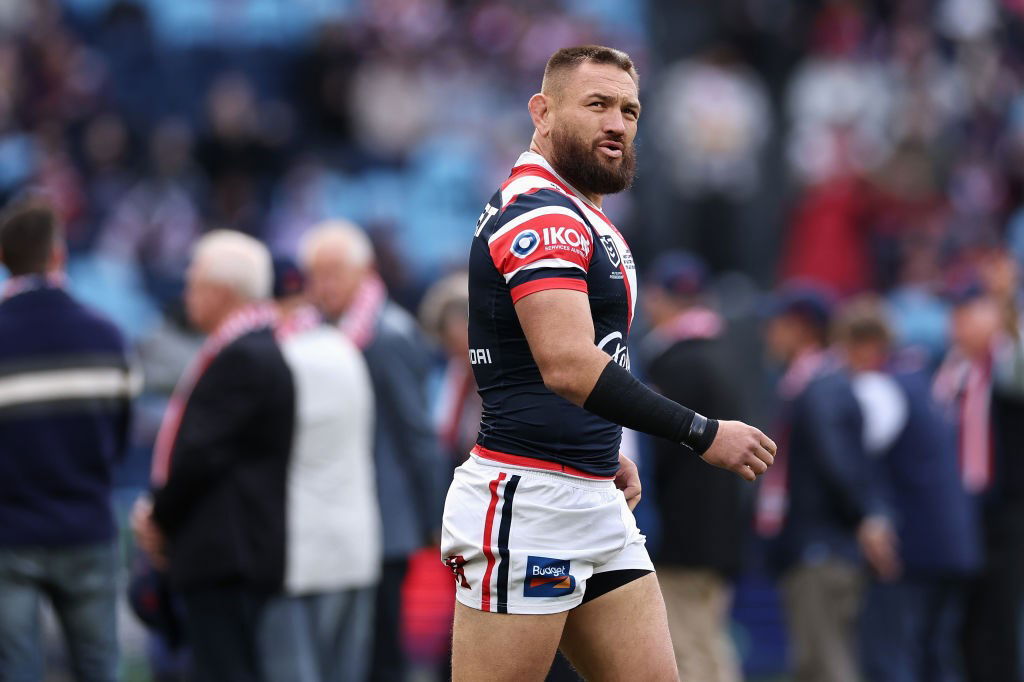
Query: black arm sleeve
[619,397]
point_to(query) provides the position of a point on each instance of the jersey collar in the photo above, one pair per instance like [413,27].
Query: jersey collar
[533,158]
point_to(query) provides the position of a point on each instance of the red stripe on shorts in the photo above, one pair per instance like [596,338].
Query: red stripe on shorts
[485,588]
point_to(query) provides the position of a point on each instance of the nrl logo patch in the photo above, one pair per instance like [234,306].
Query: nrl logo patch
[613,253]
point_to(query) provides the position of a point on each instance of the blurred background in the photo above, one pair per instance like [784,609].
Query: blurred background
[863,146]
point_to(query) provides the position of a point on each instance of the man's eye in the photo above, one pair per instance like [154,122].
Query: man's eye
[596,104]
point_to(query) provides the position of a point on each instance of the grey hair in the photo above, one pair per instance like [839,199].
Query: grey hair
[342,234]
[237,261]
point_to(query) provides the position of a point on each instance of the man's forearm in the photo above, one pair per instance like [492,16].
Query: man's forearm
[619,397]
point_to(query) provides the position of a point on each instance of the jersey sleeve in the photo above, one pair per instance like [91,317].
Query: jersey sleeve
[540,244]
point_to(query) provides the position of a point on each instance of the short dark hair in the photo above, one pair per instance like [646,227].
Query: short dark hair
[863,320]
[28,234]
[571,57]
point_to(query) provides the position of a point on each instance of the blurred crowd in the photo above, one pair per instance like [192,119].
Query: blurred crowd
[862,160]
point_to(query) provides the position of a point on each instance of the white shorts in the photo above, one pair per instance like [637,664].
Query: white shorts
[522,540]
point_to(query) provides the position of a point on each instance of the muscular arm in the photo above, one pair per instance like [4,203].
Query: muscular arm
[560,331]
[558,326]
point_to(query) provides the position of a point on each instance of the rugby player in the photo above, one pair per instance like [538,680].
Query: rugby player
[538,527]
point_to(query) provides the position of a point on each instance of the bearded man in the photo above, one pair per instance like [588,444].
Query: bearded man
[538,526]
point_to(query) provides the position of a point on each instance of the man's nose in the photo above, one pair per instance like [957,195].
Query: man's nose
[614,122]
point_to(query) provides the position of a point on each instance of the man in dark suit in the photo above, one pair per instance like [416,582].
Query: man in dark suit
[217,520]
[911,624]
[821,506]
[344,285]
[696,562]
[65,390]
[981,383]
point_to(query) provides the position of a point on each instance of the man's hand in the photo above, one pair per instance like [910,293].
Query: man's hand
[741,449]
[878,542]
[627,479]
[147,534]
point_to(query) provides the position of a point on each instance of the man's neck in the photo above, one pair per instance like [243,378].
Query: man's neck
[228,313]
[537,148]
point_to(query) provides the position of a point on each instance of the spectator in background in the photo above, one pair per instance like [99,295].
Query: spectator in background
[65,401]
[444,314]
[823,501]
[217,519]
[157,221]
[696,562]
[981,383]
[339,262]
[320,629]
[235,153]
[714,120]
[911,624]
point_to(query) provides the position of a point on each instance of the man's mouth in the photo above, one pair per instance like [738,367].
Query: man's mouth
[611,148]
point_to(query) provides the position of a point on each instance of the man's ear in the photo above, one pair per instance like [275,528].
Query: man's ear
[540,113]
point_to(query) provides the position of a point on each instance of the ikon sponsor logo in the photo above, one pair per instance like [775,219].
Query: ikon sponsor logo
[553,238]
[525,243]
[547,577]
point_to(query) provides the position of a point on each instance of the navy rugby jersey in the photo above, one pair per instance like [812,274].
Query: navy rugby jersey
[538,233]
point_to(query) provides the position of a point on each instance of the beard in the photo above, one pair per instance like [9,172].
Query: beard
[578,161]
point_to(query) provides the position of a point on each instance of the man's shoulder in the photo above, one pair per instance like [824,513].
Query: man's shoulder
[539,199]
[396,323]
[254,351]
[62,314]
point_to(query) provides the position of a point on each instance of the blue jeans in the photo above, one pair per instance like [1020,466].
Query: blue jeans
[318,638]
[81,585]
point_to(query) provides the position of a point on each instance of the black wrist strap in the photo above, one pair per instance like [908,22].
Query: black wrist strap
[619,397]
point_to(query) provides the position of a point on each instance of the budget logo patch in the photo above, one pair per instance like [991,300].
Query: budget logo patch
[546,577]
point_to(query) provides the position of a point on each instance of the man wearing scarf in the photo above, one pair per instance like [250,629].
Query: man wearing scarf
[697,562]
[217,518]
[981,384]
[343,284]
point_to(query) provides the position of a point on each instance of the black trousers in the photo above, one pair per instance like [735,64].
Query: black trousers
[389,664]
[222,624]
[995,604]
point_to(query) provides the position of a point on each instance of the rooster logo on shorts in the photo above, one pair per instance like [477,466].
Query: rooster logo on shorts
[455,564]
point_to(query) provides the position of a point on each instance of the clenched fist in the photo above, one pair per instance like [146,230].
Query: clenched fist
[742,449]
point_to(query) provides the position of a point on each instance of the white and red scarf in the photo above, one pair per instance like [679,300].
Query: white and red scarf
[964,385]
[695,323]
[298,321]
[359,323]
[459,408]
[239,323]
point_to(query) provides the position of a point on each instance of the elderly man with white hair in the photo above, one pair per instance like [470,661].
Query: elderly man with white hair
[339,261]
[217,518]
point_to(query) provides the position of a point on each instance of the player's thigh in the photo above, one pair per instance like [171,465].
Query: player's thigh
[622,635]
[498,646]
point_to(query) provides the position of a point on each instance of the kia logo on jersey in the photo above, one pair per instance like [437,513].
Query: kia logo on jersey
[547,577]
[525,243]
[609,246]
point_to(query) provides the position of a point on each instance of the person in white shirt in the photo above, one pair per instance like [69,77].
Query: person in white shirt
[320,628]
